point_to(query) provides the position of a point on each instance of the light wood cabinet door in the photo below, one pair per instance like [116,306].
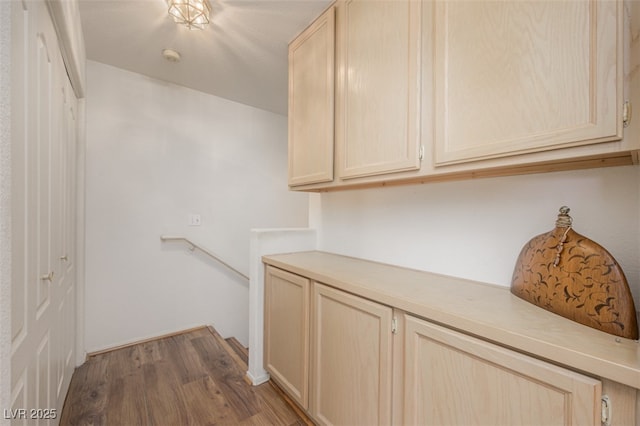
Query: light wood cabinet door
[351,359]
[526,76]
[454,379]
[377,87]
[286,336]
[311,102]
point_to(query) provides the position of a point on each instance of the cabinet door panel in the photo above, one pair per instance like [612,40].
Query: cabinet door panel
[351,361]
[286,324]
[311,99]
[377,112]
[452,378]
[526,76]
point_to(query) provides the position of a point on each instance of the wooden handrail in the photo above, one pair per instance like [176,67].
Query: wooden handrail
[194,246]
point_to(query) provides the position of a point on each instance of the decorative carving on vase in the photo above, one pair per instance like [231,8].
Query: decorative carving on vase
[571,275]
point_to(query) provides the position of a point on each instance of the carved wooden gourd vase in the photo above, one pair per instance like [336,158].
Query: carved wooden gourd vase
[570,275]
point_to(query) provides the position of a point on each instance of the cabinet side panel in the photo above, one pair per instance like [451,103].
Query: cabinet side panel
[311,99]
[623,402]
[287,332]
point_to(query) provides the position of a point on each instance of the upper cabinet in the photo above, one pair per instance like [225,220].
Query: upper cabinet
[378,87]
[457,89]
[516,77]
[311,111]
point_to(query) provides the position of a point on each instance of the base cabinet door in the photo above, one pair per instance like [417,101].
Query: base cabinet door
[454,379]
[351,359]
[286,332]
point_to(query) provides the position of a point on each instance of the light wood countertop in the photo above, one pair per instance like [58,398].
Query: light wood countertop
[485,310]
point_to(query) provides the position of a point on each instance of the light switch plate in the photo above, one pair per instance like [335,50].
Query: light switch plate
[194,219]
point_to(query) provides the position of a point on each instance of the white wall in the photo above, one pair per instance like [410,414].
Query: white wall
[475,229]
[157,152]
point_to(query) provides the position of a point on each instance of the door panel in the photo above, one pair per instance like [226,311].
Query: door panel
[377,104]
[43,373]
[526,76]
[351,359]
[452,378]
[43,162]
[44,130]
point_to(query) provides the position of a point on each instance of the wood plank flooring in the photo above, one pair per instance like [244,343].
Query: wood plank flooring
[187,379]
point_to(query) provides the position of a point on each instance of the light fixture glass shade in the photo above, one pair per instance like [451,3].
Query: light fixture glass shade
[192,13]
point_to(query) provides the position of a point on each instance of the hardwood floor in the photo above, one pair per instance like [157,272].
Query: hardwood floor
[187,379]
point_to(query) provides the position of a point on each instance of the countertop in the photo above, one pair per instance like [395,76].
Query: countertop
[488,311]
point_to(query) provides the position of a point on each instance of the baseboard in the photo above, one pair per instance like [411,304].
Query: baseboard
[294,405]
[258,380]
[138,342]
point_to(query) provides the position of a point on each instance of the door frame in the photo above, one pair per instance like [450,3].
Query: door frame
[5,207]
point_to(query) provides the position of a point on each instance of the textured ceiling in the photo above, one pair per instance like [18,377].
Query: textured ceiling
[241,55]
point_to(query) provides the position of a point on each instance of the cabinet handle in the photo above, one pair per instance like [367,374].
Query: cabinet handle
[606,411]
[626,114]
[48,277]
[65,258]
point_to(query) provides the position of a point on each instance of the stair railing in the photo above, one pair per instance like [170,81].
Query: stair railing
[193,246]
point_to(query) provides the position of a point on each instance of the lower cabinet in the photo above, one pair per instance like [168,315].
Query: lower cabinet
[286,332]
[348,360]
[351,360]
[451,378]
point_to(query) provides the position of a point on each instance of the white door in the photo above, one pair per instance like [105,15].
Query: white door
[43,300]
[66,313]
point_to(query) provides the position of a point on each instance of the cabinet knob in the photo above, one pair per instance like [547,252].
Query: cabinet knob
[64,258]
[48,277]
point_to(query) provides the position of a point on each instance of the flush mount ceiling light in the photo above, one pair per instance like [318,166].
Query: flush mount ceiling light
[192,13]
